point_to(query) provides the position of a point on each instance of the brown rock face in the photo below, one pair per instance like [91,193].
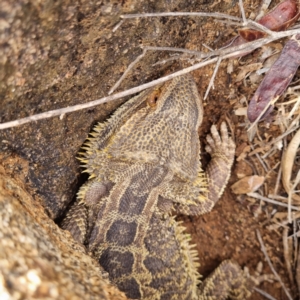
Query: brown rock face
[37,258]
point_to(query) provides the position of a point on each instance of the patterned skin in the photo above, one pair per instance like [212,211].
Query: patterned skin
[144,164]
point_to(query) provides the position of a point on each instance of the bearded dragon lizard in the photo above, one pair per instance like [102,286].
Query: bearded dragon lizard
[144,165]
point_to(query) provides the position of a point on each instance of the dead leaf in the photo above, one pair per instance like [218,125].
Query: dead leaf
[247,184]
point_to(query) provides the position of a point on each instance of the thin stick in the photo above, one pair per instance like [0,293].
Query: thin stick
[283,223]
[265,294]
[265,4]
[263,249]
[268,153]
[258,196]
[272,169]
[229,23]
[250,46]
[260,160]
[150,48]
[286,254]
[298,271]
[226,52]
[278,180]
[176,14]
[281,198]
[193,52]
[291,192]
[117,26]
[279,138]
[263,112]
[295,107]
[242,11]
[211,82]
[259,26]
[246,22]
[294,88]
[294,122]
[127,71]
[174,57]
[296,244]
[207,47]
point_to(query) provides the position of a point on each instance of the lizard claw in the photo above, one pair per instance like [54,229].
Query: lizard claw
[220,143]
[258,277]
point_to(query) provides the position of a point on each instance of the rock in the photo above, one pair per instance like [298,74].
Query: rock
[37,258]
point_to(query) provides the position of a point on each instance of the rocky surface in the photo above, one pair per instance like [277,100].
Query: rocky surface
[37,258]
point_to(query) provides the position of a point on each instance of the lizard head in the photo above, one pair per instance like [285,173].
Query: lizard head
[164,129]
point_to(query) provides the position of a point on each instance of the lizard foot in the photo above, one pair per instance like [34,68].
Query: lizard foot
[220,145]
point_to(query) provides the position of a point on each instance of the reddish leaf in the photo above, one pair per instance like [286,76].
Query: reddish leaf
[276,80]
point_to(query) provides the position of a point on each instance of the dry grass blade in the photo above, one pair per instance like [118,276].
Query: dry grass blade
[298,272]
[288,159]
[281,198]
[271,103]
[287,164]
[266,295]
[280,220]
[127,71]
[258,196]
[150,48]
[263,249]
[292,195]
[295,107]
[242,11]
[264,5]
[211,82]
[279,138]
[286,254]
[261,160]
[278,180]
[178,14]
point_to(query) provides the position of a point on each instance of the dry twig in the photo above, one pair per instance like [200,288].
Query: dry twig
[185,14]
[258,196]
[266,295]
[298,271]
[211,82]
[263,249]
[286,254]
[287,162]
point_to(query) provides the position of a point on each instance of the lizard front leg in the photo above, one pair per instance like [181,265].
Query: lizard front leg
[199,196]
[222,149]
